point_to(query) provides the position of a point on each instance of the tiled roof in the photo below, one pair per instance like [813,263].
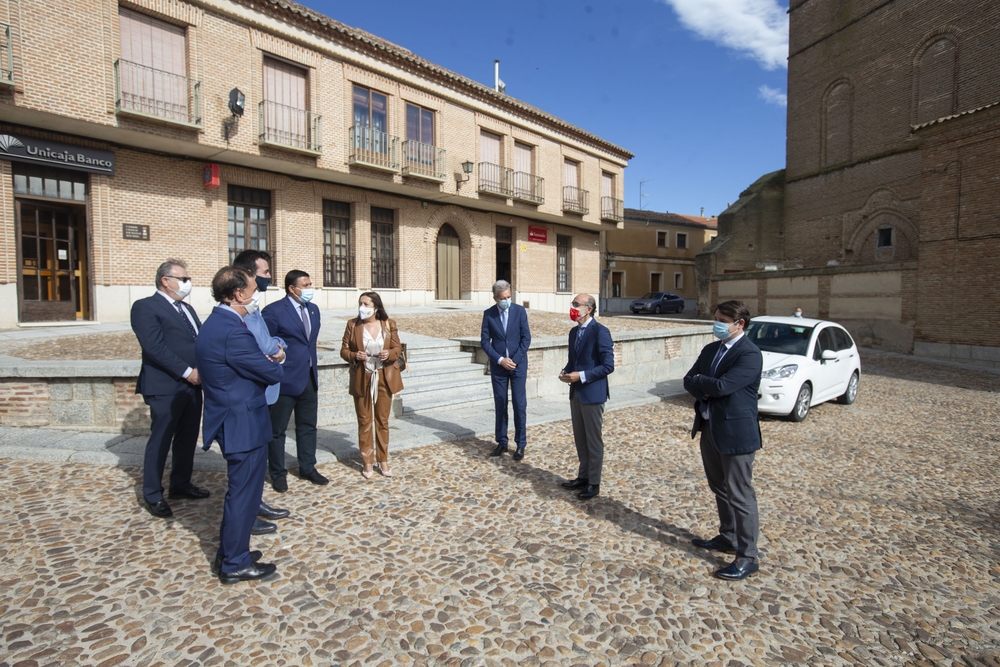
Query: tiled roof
[365,40]
[938,121]
[635,215]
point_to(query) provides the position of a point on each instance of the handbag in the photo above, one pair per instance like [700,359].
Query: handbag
[401,359]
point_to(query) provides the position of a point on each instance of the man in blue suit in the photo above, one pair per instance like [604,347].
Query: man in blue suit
[591,361]
[296,320]
[234,374]
[168,381]
[505,338]
[724,381]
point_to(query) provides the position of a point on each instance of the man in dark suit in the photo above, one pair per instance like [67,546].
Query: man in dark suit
[591,361]
[505,338]
[724,381]
[234,374]
[296,321]
[167,329]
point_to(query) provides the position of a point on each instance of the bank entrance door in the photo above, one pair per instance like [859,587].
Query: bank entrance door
[52,262]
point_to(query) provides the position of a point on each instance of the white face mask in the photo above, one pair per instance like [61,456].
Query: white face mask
[364,312]
[183,288]
[254,304]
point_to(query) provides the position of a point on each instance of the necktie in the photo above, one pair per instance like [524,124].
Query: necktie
[579,336]
[503,323]
[180,309]
[718,357]
[305,321]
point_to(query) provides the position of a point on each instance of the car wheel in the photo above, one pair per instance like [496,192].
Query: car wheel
[852,390]
[680,309]
[801,409]
[657,310]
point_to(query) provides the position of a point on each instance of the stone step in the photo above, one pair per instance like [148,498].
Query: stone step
[434,385]
[419,373]
[438,404]
[440,360]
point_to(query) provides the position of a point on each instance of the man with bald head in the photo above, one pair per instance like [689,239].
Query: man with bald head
[591,361]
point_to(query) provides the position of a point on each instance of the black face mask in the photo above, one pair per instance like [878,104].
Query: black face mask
[262,283]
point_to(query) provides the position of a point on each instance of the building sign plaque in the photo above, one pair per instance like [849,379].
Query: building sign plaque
[134,232]
[538,234]
[19,148]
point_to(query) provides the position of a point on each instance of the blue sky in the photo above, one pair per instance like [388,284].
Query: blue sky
[695,88]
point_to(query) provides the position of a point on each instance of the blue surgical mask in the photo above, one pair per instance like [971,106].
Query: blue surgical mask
[796,314]
[721,330]
[503,304]
[306,295]
[262,283]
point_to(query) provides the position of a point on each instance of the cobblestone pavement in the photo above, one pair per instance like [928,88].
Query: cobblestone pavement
[879,546]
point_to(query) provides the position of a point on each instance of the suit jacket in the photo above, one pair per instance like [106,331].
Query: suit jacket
[494,340]
[167,345]
[596,358]
[234,373]
[732,392]
[284,320]
[354,340]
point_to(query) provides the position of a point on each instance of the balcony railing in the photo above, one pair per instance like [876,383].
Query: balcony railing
[6,56]
[494,179]
[338,271]
[612,209]
[384,273]
[153,93]
[576,200]
[423,160]
[528,187]
[373,148]
[290,127]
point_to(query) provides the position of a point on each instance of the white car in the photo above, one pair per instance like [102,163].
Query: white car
[806,362]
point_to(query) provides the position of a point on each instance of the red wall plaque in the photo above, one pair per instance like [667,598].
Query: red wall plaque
[211,175]
[538,234]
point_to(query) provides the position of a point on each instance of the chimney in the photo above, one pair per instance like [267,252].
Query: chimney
[702,212]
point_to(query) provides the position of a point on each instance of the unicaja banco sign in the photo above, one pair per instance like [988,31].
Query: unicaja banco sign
[36,151]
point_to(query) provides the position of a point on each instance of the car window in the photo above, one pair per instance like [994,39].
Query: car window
[842,339]
[779,337]
[824,342]
[671,295]
[649,295]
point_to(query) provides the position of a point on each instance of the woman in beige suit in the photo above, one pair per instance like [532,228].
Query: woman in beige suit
[371,345]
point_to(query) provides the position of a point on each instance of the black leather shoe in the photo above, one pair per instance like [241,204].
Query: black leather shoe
[314,477]
[262,527]
[499,451]
[578,483]
[190,491]
[279,484]
[271,513]
[519,454]
[589,492]
[160,510]
[217,563]
[741,568]
[249,573]
[715,544]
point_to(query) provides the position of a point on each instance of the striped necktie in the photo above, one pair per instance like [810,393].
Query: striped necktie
[187,321]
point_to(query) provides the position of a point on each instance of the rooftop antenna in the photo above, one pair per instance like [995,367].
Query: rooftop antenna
[641,195]
[498,84]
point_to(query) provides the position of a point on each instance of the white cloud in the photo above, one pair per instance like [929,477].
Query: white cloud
[773,96]
[758,28]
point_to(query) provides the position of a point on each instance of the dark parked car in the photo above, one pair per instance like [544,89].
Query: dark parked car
[658,302]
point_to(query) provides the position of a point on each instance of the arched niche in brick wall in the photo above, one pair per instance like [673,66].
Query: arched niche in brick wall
[935,77]
[836,119]
[462,223]
[885,235]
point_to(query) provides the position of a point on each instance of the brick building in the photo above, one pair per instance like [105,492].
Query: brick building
[347,156]
[886,215]
[652,252]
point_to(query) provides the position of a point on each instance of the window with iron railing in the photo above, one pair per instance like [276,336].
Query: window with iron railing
[494,179]
[576,200]
[421,158]
[563,264]
[249,214]
[338,259]
[285,120]
[383,225]
[612,209]
[369,143]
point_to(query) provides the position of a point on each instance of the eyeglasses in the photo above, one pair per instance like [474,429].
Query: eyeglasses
[180,279]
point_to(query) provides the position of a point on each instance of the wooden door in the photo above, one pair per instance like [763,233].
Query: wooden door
[52,274]
[448,265]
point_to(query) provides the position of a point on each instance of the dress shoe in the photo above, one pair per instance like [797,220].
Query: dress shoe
[271,513]
[741,568]
[161,510]
[217,563]
[262,527]
[578,483]
[249,573]
[279,484]
[190,491]
[314,477]
[519,454]
[499,451]
[717,543]
[589,492]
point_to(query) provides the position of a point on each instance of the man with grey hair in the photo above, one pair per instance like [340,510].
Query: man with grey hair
[168,381]
[505,338]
